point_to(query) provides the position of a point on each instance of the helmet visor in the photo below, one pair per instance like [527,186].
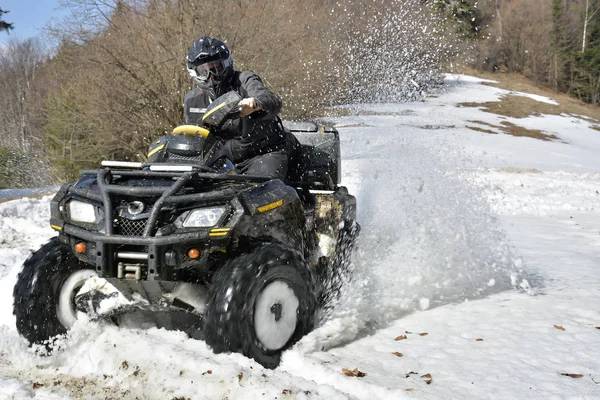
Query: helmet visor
[216,68]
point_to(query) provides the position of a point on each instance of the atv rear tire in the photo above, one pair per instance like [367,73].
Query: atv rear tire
[260,303]
[44,294]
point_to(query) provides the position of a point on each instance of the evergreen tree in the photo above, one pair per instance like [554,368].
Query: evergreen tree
[586,83]
[561,59]
[4,26]
[463,14]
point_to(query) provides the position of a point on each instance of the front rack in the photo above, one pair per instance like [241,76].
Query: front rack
[167,194]
[110,239]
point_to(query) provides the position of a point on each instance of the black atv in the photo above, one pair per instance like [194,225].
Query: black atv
[241,261]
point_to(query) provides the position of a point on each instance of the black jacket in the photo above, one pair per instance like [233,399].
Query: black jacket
[258,133]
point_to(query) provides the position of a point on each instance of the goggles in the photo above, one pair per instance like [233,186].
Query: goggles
[216,68]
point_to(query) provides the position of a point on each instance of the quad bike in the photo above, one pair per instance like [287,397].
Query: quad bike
[243,262]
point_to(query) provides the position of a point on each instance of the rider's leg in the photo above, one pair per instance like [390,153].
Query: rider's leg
[274,165]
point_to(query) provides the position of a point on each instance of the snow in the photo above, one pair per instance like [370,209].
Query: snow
[479,253]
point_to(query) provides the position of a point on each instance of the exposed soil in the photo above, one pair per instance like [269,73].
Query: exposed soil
[516,107]
[474,128]
[520,83]
[514,130]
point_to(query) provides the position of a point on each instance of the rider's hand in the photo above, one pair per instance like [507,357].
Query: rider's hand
[248,106]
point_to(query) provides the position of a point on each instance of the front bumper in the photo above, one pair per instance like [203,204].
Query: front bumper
[153,253]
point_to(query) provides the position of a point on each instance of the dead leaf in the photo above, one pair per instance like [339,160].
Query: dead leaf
[428,379]
[286,391]
[560,328]
[209,371]
[479,339]
[355,372]
[407,332]
[401,337]
[423,334]
[410,389]
[124,365]
[397,354]
[411,373]
[240,376]
[576,376]
[598,327]
[37,385]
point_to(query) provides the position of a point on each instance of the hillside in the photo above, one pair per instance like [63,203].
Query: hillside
[476,274]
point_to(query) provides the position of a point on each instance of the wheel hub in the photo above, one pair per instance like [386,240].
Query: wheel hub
[276,310]
[275,315]
[65,309]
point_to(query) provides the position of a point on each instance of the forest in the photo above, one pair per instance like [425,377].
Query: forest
[111,78]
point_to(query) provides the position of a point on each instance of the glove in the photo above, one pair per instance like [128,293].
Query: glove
[248,106]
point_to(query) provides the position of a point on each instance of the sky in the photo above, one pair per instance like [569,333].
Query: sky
[475,276]
[28,17]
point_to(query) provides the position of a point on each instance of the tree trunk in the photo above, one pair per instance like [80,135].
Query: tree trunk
[585,23]
[499,14]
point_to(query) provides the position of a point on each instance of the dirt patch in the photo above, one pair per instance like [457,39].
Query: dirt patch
[62,385]
[436,127]
[483,123]
[514,130]
[516,107]
[595,127]
[520,83]
[474,128]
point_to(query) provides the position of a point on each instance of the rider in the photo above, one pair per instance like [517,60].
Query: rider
[256,140]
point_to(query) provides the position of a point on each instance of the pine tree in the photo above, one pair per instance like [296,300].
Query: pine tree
[586,83]
[4,26]
[463,14]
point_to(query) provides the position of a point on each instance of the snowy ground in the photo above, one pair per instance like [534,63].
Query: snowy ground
[476,276]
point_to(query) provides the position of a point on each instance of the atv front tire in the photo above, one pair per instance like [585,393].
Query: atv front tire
[44,295]
[260,303]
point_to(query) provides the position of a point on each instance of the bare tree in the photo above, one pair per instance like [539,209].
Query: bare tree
[19,66]
[120,70]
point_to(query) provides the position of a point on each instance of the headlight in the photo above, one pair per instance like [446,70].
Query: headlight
[204,217]
[81,212]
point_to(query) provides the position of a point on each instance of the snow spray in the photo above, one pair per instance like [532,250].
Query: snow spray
[428,235]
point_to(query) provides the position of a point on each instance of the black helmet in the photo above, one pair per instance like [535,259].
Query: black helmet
[209,63]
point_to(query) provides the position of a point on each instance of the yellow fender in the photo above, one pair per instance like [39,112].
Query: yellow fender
[191,130]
